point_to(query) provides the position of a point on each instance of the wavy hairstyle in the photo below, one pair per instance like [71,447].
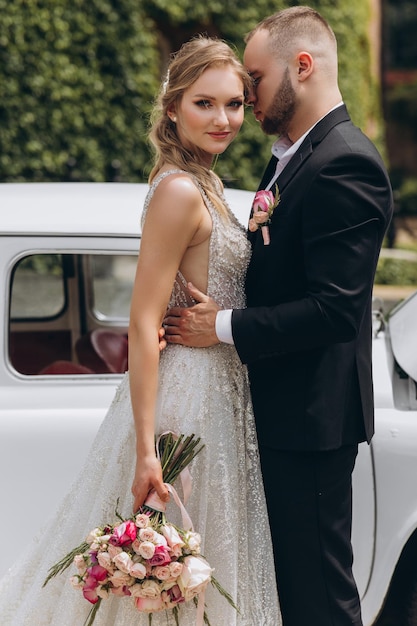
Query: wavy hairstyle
[186,66]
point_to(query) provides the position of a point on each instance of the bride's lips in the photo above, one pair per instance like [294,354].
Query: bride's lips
[223,135]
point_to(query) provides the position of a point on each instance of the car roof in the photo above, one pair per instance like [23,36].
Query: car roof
[85,208]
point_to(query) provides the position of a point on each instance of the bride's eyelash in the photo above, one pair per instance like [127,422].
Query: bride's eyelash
[203,103]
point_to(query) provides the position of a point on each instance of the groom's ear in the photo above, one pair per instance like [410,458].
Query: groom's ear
[305,65]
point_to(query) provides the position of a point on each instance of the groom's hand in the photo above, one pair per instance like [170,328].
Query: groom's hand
[194,326]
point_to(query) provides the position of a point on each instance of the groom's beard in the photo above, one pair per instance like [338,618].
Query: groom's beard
[279,115]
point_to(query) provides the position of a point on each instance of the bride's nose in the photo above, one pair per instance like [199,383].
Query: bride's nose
[221,118]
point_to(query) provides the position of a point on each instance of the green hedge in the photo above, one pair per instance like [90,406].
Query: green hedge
[396,272]
[77,80]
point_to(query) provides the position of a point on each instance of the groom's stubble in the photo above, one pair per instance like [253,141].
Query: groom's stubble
[281,112]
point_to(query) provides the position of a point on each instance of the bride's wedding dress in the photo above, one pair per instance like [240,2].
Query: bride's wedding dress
[201,391]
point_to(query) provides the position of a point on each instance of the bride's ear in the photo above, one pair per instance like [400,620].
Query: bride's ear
[171,114]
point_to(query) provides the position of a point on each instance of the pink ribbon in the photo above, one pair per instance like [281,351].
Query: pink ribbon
[155,503]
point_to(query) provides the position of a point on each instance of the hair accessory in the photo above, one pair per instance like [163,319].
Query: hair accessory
[165,83]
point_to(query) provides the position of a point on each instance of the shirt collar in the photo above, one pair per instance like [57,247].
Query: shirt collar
[283,148]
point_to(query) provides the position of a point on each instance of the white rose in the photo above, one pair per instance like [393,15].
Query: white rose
[123,562]
[142,520]
[172,536]
[102,593]
[119,579]
[149,589]
[136,590]
[105,560]
[194,577]
[114,550]
[76,582]
[162,572]
[80,563]
[160,540]
[146,549]
[138,570]
[175,568]
[147,534]
[193,542]
[92,536]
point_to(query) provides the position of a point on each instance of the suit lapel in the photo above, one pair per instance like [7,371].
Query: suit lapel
[268,173]
[304,151]
[310,142]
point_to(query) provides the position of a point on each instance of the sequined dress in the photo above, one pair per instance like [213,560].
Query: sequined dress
[201,391]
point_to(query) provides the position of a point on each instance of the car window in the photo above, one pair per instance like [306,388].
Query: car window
[111,279]
[69,313]
[37,287]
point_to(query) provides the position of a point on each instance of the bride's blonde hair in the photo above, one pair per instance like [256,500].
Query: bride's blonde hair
[186,66]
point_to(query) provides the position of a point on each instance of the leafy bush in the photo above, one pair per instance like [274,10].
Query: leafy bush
[396,272]
[77,81]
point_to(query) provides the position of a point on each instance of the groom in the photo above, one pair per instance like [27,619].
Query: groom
[306,334]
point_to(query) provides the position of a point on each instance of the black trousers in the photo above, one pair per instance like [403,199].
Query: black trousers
[309,497]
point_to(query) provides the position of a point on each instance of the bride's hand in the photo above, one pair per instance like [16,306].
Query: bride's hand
[148,477]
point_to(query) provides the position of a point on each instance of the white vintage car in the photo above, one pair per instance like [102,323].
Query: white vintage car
[67,261]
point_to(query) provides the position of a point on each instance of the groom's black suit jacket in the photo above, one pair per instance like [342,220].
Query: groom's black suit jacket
[307,332]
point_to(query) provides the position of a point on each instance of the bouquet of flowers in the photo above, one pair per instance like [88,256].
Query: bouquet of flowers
[262,209]
[146,558]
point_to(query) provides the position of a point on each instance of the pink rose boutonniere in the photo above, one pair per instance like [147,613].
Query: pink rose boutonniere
[262,208]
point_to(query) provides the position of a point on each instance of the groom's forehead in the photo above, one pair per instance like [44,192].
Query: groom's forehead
[258,54]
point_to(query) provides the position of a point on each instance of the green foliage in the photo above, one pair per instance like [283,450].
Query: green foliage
[77,80]
[407,197]
[391,271]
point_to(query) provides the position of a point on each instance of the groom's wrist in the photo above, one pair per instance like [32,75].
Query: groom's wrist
[224,326]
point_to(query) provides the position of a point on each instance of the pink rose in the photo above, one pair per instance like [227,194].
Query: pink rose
[264,201]
[89,589]
[150,605]
[98,572]
[160,556]
[175,595]
[124,534]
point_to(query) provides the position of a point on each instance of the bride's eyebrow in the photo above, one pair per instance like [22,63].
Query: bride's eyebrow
[208,97]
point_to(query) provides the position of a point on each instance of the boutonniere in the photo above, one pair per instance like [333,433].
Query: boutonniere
[262,208]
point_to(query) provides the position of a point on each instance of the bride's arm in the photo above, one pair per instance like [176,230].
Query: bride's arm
[173,219]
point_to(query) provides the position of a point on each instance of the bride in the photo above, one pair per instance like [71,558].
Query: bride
[189,235]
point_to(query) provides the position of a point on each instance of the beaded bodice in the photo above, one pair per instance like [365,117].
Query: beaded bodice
[229,253]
